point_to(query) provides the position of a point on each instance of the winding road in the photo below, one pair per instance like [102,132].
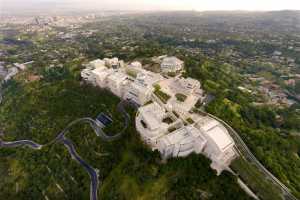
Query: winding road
[27,143]
[241,147]
[61,137]
[92,172]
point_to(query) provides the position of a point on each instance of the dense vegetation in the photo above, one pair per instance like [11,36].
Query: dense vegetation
[277,149]
[128,170]
[215,55]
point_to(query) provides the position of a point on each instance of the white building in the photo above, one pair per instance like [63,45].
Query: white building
[100,75]
[220,145]
[174,139]
[151,124]
[113,62]
[106,62]
[187,88]
[136,64]
[181,142]
[172,135]
[96,64]
[171,64]
[86,75]
[105,74]
[141,86]
[141,89]
[117,83]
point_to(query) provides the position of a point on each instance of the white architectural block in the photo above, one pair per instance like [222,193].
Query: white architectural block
[156,122]
[171,64]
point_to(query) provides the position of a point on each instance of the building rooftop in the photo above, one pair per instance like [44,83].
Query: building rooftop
[218,133]
[147,78]
[117,77]
[104,119]
[171,60]
[183,85]
[99,70]
[136,64]
[97,63]
[183,135]
[153,115]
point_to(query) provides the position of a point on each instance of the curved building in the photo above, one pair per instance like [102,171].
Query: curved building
[173,138]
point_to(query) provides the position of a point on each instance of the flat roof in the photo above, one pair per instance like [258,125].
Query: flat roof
[208,124]
[99,70]
[184,135]
[104,119]
[152,114]
[172,60]
[148,78]
[152,122]
[97,63]
[220,136]
[118,76]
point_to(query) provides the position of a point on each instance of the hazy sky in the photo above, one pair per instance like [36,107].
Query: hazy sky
[200,5]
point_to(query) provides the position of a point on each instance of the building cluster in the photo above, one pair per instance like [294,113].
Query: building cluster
[272,93]
[172,137]
[166,119]
[129,82]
